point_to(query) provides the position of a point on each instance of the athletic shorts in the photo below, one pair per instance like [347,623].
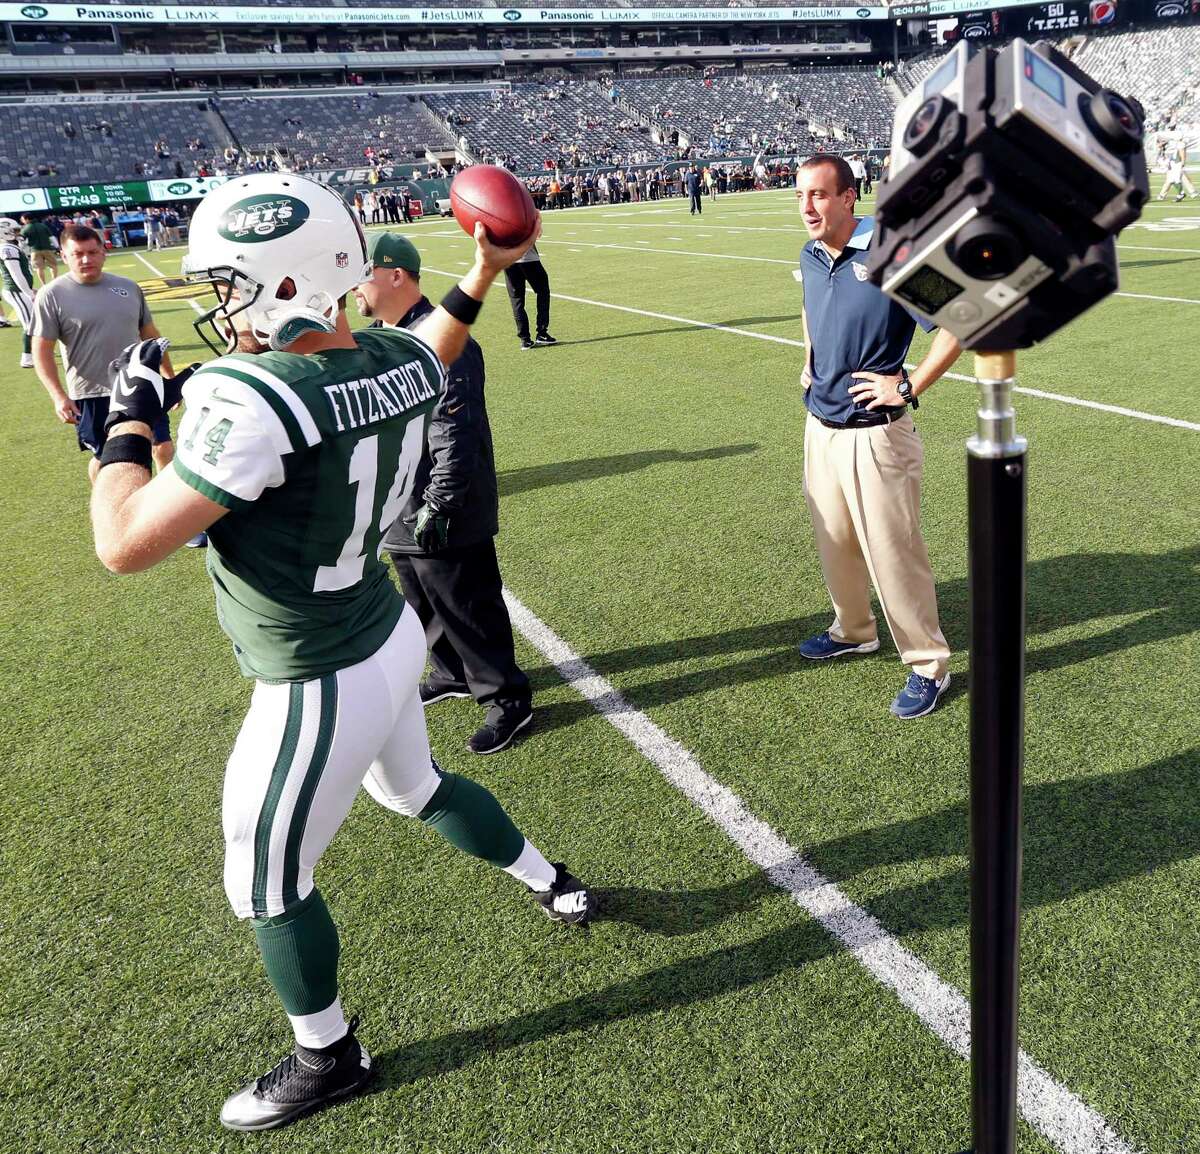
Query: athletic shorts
[93,412]
[44,258]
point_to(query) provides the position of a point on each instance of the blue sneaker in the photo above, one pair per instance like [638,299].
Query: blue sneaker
[822,646]
[199,541]
[919,696]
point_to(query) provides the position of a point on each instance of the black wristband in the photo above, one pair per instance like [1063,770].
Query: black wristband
[127,449]
[460,306]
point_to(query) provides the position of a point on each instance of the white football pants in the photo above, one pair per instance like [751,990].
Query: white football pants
[304,749]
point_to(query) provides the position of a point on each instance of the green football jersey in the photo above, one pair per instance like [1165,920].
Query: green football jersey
[314,457]
[10,276]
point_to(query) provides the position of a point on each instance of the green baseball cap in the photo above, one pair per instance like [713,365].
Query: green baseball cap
[391,250]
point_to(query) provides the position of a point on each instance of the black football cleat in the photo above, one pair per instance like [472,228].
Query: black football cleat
[501,724]
[303,1082]
[567,900]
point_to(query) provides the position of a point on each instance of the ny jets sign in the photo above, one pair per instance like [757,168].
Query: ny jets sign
[259,218]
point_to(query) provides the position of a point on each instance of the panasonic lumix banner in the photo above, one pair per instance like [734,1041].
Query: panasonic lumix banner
[415,15]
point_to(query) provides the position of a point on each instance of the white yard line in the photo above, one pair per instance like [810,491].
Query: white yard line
[791,263]
[195,307]
[1155,418]
[1059,1115]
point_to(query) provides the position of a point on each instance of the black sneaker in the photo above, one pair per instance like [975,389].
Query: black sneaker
[303,1082]
[567,900]
[544,339]
[431,693]
[499,728]
[526,343]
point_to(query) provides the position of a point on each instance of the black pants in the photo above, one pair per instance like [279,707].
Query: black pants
[517,276]
[457,596]
[695,203]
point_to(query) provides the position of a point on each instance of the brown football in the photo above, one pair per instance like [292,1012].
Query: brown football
[498,199]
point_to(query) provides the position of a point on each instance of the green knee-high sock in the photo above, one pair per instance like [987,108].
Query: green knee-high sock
[300,950]
[471,819]
[27,344]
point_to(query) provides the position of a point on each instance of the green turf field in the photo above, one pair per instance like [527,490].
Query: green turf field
[652,518]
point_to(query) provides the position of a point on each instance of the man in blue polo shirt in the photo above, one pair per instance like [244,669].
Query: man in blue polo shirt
[862,455]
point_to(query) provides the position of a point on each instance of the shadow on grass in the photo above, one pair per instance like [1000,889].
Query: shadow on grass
[1072,590]
[515,481]
[1080,835]
[1155,263]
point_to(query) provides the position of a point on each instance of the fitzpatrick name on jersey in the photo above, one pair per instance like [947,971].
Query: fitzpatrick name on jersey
[371,399]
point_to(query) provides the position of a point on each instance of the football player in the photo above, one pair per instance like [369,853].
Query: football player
[16,283]
[296,453]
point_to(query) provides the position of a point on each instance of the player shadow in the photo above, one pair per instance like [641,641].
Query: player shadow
[1080,835]
[778,640]
[1155,263]
[1159,591]
[514,481]
[669,913]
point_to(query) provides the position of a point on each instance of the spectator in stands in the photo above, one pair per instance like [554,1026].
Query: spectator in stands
[95,315]
[442,544]
[529,271]
[41,244]
[862,455]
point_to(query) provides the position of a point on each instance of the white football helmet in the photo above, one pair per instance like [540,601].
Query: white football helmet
[10,230]
[288,247]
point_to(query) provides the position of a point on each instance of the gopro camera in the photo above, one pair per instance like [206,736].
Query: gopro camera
[1012,173]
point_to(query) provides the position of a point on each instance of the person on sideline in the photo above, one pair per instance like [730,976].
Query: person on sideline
[862,454]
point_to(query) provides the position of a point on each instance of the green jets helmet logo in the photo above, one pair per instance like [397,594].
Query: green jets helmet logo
[264,217]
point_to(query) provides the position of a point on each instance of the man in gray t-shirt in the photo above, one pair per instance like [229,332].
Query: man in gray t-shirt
[95,316]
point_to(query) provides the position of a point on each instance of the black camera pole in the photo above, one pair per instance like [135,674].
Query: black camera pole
[996,495]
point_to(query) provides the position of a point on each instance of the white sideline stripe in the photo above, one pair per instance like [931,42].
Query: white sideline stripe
[1175,422]
[1064,1119]
[674,251]
[1148,297]
[195,307]
[790,263]
[798,232]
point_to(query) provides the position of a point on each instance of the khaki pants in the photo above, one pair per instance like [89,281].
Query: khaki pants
[863,488]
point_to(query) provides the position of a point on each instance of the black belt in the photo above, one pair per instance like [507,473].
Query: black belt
[867,420]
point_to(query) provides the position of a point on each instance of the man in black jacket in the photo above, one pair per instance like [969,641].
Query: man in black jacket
[442,543]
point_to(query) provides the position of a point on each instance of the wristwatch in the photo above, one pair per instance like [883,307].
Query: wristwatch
[905,389]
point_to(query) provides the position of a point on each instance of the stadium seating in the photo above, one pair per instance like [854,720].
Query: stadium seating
[781,111]
[567,124]
[87,143]
[335,131]
[1160,66]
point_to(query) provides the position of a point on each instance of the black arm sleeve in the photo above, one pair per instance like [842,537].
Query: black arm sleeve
[455,431]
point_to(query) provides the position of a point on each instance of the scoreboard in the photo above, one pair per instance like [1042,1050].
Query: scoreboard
[130,192]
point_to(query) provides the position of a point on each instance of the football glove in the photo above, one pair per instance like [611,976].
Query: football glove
[140,392]
[431,528]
